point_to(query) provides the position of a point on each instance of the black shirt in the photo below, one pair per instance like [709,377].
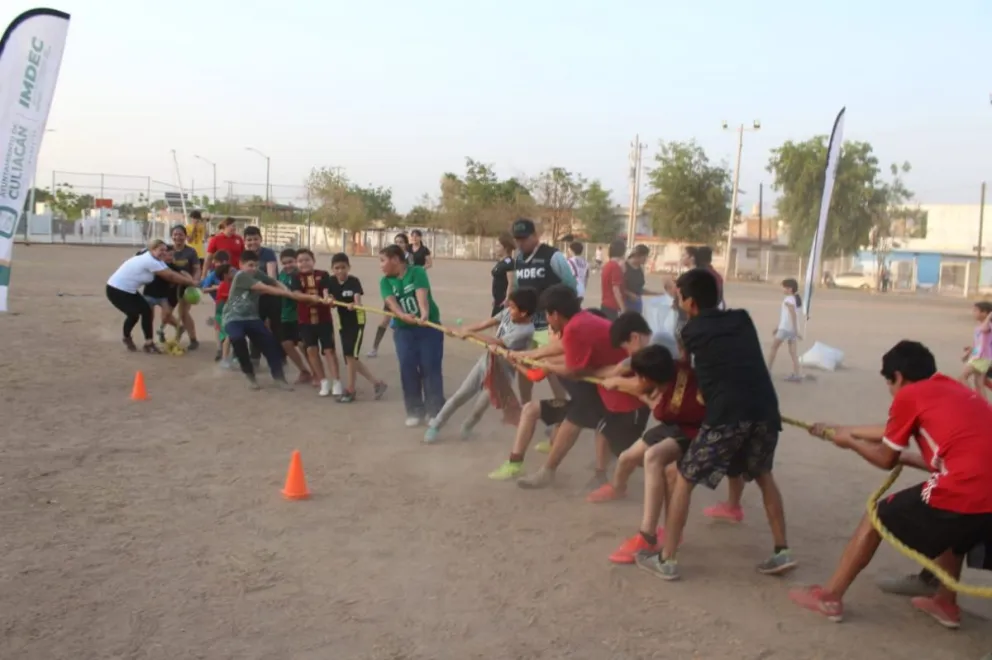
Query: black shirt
[346,292]
[633,279]
[500,283]
[730,368]
[159,287]
[418,256]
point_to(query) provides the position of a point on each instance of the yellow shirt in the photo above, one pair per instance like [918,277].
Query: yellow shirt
[197,237]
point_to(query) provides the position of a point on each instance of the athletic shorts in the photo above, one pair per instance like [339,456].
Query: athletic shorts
[585,408]
[744,449]
[351,340]
[930,531]
[153,302]
[219,318]
[662,431]
[553,411]
[317,334]
[622,430]
[980,365]
[289,331]
[173,296]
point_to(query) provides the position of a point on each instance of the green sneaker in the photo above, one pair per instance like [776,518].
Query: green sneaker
[666,569]
[506,471]
[543,447]
[779,563]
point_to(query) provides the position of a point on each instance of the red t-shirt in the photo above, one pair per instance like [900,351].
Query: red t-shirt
[233,245]
[612,277]
[224,291]
[586,340]
[681,403]
[314,283]
[951,425]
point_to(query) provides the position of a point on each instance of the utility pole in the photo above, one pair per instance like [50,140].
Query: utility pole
[214,166]
[268,167]
[981,232]
[755,126]
[761,225]
[636,151]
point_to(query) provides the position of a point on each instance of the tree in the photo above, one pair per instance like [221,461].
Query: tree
[891,206]
[857,203]
[557,191]
[67,203]
[480,204]
[337,205]
[596,212]
[378,201]
[690,198]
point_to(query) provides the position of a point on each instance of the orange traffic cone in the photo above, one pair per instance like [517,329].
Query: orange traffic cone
[296,483]
[138,392]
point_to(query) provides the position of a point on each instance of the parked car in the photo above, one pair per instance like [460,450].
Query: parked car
[854,281]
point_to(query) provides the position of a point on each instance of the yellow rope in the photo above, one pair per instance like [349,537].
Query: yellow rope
[945,578]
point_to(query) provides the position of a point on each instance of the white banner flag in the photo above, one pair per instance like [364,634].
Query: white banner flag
[816,250]
[30,57]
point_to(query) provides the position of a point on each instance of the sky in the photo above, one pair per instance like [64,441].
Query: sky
[399,92]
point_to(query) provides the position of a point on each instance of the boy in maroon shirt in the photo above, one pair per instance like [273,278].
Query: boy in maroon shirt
[316,324]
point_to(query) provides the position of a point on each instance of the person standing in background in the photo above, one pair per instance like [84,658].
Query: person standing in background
[226,239]
[196,230]
[612,281]
[580,269]
[599,257]
[633,278]
[702,257]
[502,272]
[420,254]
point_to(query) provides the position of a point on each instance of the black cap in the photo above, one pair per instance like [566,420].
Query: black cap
[523,228]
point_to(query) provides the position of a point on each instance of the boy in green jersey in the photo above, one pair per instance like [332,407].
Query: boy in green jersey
[289,328]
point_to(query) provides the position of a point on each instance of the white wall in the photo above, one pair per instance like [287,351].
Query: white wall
[953,228]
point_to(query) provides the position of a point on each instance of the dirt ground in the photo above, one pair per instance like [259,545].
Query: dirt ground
[156,530]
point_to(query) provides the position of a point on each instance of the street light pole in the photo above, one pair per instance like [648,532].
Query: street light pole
[214,166]
[755,126]
[268,166]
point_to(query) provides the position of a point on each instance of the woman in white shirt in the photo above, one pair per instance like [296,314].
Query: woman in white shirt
[123,285]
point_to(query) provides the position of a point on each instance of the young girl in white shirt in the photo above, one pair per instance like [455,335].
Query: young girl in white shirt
[787,331]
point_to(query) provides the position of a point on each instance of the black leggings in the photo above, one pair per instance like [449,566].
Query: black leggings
[134,306]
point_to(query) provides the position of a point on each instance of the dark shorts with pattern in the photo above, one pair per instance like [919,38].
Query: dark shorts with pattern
[930,531]
[743,449]
[663,431]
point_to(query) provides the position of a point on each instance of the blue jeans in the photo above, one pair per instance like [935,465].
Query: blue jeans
[240,332]
[420,352]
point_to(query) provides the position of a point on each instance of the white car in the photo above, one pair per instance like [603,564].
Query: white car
[854,281]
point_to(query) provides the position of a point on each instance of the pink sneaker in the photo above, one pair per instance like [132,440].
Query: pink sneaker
[817,600]
[945,613]
[724,511]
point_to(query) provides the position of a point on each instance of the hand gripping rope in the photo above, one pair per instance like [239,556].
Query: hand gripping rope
[872,506]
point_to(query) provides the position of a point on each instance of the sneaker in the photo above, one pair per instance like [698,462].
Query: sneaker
[373,353]
[304,378]
[605,493]
[378,390]
[430,436]
[226,364]
[908,585]
[193,345]
[131,346]
[597,481]
[543,447]
[779,563]
[944,612]
[151,349]
[161,334]
[794,378]
[337,389]
[724,511]
[252,383]
[467,431]
[540,479]
[629,548]
[817,600]
[325,387]
[506,471]
[412,422]
[347,397]
[666,569]
[284,385]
